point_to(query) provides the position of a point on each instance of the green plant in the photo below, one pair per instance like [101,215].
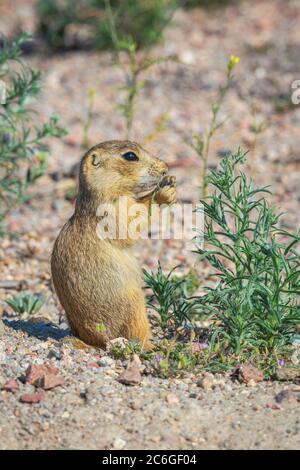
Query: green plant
[134,67]
[254,304]
[189,283]
[169,296]
[141,21]
[206,3]
[26,304]
[201,141]
[55,17]
[22,144]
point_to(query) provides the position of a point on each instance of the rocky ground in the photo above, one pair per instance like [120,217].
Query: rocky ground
[88,407]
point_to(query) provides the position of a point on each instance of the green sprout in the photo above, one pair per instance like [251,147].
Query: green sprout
[26,304]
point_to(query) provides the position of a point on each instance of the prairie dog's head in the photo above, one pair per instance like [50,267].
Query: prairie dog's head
[120,167]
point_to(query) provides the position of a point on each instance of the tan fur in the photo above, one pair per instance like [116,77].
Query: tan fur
[99,282]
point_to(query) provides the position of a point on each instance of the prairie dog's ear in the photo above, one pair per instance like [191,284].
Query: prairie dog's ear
[95,160]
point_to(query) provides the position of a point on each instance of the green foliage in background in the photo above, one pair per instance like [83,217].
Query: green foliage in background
[23,152]
[141,21]
[207,3]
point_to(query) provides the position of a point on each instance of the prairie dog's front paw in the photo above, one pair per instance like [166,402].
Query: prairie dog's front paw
[167,192]
[168,181]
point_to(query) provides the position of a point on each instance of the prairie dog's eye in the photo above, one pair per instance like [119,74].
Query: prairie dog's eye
[130,157]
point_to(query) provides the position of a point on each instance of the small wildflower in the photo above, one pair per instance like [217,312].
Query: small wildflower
[280,362]
[233,61]
[92,94]
[157,358]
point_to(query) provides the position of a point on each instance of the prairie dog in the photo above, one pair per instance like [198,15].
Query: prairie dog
[98,281]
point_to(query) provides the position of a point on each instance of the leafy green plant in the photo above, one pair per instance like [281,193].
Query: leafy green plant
[26,304]
[169,296]
[55,17]
[201,141]
[254,304]
[22,144]
[141,21]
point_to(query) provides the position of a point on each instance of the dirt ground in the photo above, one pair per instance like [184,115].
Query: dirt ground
[91,409]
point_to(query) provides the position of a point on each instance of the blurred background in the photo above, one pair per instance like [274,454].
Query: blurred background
[151,71]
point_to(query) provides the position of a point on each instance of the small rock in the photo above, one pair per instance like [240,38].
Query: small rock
[35,372]
[288,373]
[188,57]
[274,406]
[172,399]
[246,373]
[119,443]
[136,405]
[107,361]
[251,383]
[205,383]
[131,376]
[155,439]
[93,365]
[51,381]
[256,408]
[35,397]
[11,386]
[135,360]
[44,376]
[285,394]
